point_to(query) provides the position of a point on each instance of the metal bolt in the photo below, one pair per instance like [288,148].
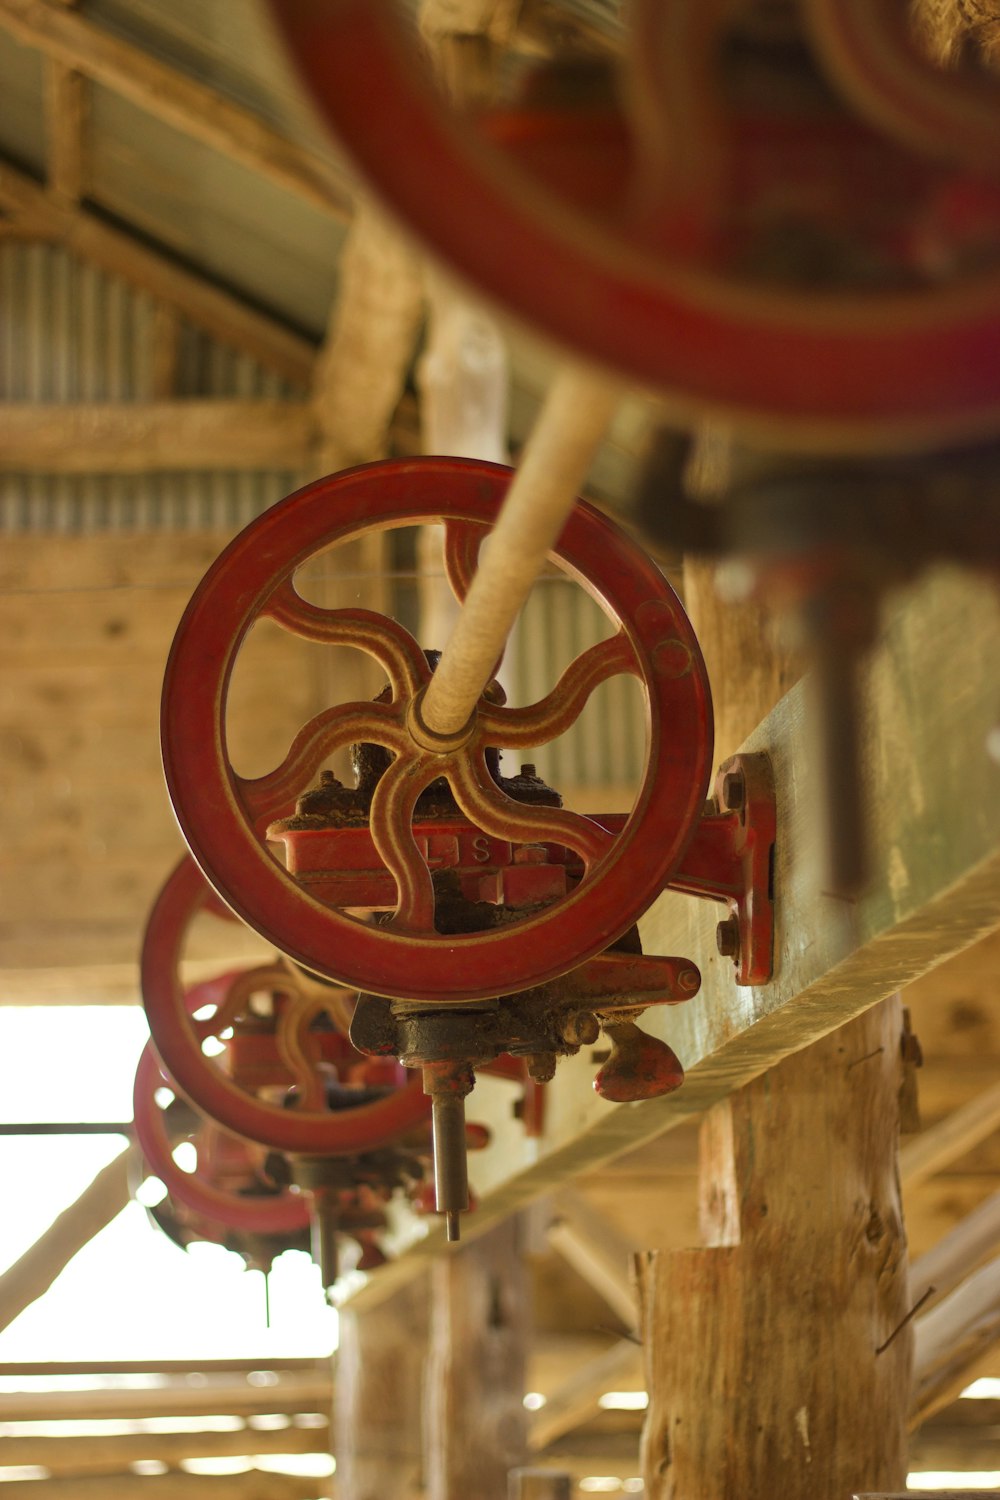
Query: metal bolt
[580,1029]
[727,938]
[734,791]
[528,769]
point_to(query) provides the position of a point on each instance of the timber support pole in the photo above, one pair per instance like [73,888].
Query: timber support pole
[476,1427]
[778,1359]
[378,1386]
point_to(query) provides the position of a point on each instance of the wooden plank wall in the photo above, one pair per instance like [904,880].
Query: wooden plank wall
[85,627]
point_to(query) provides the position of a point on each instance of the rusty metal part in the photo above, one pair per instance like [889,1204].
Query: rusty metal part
[448,1082]
[640,1066]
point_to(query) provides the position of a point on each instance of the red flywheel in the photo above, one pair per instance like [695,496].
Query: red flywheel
[224,816]
[655,231]
[311,1127]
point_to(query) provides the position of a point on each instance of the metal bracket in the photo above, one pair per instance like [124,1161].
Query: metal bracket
[731,859]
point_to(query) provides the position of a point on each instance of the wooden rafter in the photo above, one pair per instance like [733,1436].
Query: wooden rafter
[44,216]
[373,327]
[190,107]
[65,115]
[139,437]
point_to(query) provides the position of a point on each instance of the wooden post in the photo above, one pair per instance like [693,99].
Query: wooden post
[773,1358]
[378,1384]
[771,1361]
[475,1421]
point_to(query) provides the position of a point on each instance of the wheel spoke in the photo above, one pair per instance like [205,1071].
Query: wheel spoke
[490,809]
[292,1037]
[391,821]
[392,646]
[522,728]
[462,541]
[234,1002]
[273,795]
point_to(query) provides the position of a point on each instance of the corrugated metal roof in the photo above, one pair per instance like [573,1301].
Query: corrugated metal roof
[68,332]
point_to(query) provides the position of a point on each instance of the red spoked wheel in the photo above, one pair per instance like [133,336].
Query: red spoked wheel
[311,1128]
[260,1213]
[224,816]
[592,224]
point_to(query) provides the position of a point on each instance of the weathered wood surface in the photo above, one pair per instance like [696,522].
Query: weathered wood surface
[189,106]
[362,367]
[85,627]
[65,121]
[475,1423]
[955,1341]
[232,321]
[935,797]
[378,1381]
[959,1253]
[942,1144]
[146,437]
[595,1249]
[805,1276]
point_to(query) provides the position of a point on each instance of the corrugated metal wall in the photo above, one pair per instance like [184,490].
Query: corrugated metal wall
[68,332]
[606,746]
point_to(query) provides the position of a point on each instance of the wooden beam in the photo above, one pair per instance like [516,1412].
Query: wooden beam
[292,1392]
[371,341]
[65,121]
[165,352]
[952,1339]
[930,692]
[595,1249]
[72,1457]
[145,437]
[253,1485]
[937,1147]
[378,1382]
[954,1257]
[475,1424]
[191,107]
[33,1273]
[809,1254]
[219,312]
[578,1398]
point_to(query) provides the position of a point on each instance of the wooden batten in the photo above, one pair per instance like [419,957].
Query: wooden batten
[46,217]
[140,437]
[475,1421]
[379,1385]
[74,42]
